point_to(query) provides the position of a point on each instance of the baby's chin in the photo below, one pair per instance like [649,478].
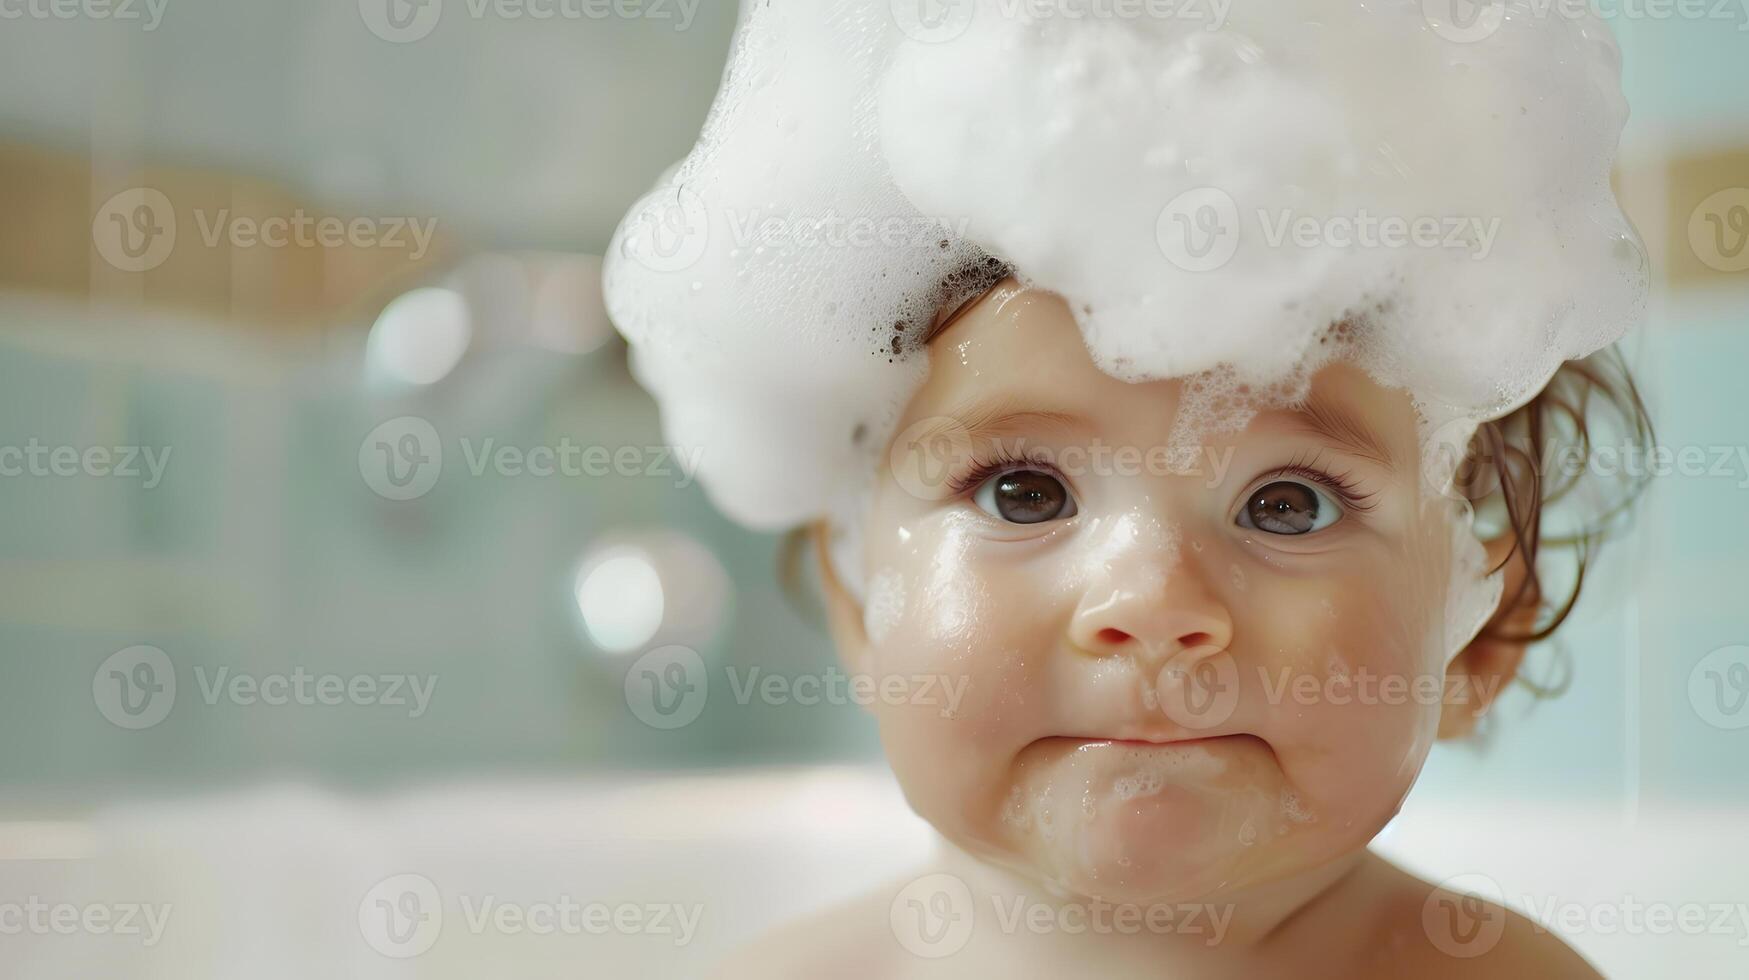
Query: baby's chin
[1152,823]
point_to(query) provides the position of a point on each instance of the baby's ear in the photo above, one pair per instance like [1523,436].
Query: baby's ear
[843,612]
[1481,670]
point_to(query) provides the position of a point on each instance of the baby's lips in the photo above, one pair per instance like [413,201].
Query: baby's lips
[1198,687]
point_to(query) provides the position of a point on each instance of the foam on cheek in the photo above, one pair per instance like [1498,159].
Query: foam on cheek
[950,599]
[885,604]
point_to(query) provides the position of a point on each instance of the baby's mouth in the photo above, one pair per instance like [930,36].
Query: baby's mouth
[1075,743]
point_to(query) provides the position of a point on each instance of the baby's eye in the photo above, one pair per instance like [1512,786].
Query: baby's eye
[1288,507]
[1024,497]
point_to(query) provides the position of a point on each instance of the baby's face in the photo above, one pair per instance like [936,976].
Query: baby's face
[1179,680]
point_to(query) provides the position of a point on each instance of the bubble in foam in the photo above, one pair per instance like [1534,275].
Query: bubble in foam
[852,180]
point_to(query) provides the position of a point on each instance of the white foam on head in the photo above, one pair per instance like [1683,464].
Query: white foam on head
[776,284]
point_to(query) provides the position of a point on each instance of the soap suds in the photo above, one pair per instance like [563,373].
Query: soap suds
[1155,768]
[851,180]
[885,605]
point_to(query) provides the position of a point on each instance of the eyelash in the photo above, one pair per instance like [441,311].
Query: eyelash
[1343,484]
[1001,460]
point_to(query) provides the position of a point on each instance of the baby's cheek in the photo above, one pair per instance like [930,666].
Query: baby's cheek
[1352,697]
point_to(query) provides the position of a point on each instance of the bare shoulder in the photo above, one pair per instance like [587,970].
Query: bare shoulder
[1429,931]
[851,939]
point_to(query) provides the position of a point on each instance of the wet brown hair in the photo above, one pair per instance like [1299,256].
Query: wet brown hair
[1509,464]
[1507,467]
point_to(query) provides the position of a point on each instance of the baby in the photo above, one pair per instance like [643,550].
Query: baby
[1079,348]
[1168,721]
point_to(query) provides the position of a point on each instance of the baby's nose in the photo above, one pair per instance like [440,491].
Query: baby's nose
[1150,609]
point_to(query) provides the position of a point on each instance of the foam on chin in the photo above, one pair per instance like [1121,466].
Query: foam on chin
[784,348]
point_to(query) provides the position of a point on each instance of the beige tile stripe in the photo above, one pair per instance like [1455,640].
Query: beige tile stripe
[1692,210]
[48,245]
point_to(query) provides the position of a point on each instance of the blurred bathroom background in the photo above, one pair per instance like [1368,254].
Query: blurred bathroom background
[334,447]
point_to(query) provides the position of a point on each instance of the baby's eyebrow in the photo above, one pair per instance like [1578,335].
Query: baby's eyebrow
[1334,422]
[987,419]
